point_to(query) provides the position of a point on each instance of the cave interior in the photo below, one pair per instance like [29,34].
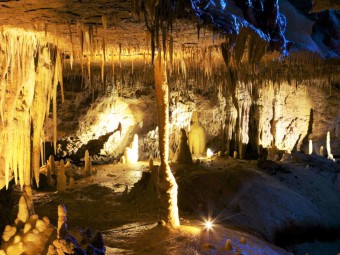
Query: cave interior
[170,127]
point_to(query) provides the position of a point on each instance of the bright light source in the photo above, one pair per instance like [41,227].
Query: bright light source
[208,225]
[209,153]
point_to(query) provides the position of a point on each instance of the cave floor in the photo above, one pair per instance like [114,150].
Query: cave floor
[96,203]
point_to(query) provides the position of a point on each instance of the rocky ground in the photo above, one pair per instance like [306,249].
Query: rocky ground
[294,204]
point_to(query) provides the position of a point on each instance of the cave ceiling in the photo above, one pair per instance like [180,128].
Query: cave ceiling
[61,19]
[117,27]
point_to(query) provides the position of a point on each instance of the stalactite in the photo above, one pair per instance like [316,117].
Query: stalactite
[72,46]
[88,66]
[82,65]
[29,72]
[241,41]
[58,65]
[57,79]
[45,29]
[120,55]
[89,38]
[102,67]
[132,66]
[113,64]
[104,22]
[171,49]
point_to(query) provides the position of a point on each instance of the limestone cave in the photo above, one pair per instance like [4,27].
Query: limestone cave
[170,127]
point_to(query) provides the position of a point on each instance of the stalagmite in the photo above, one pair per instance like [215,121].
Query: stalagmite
[196,136]
[131,153]
[88,166]
[228,246]
[210,153]
[150,163]
[122,160]
[183,154]
[85,243]
[52,165]
[28,194]
[28,235]
[68,164]
[62,222]
[167,182]
[61,184]
[48,174]
[321,151]
[71,184]
[9,232]
[328,146]
[94,171]
[235,155]
[243,240]
[23,210]
[310,147]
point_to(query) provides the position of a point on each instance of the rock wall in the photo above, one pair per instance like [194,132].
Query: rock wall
[242,117]
[283,116]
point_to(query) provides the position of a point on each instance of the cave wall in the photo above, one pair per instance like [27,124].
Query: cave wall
[239,117]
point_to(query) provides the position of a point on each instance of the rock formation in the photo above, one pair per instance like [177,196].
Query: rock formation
[88,165]
[150,163]
[131,152]
[61,182]
[48,174]
[62,222]
[52,165]
[321,151]
[310,147]
[68,244]
[196,136]
[29,81]
[328,146]
[71,184]
[29,235]
[122,160]
[167,182]
[183,154]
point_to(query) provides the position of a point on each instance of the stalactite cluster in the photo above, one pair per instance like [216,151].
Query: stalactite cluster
[30,74]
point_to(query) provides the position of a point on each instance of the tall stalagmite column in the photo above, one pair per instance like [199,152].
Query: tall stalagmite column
[167,182]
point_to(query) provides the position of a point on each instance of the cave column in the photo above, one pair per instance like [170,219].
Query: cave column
[167,182]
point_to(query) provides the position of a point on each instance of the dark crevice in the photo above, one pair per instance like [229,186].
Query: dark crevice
[296,234]
[6,207]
